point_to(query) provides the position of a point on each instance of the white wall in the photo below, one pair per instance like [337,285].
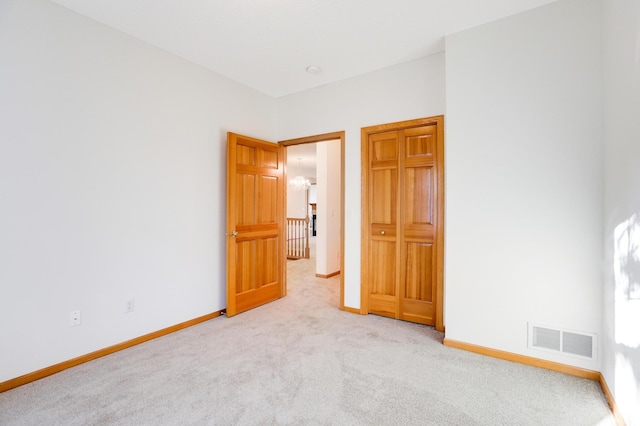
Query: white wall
[410,90]
[524,178]
[328,208]
[112,184]
[621,362]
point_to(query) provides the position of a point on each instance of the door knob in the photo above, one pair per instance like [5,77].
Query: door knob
[381,232]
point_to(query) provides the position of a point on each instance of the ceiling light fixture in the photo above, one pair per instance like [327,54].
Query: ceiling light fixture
[314,69]
[299,182]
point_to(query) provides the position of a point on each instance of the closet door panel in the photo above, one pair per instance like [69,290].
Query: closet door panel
[383,213]
[417,230]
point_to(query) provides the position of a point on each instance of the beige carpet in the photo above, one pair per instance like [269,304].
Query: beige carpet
[301,361]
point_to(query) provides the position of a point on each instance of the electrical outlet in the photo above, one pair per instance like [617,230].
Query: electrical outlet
[129,306]
[74,318]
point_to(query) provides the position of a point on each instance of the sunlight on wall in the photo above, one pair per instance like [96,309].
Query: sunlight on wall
[627,315]
[627,392]
[627,277]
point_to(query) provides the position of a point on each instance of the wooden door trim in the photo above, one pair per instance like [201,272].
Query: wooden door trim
[364,246]
[323,138]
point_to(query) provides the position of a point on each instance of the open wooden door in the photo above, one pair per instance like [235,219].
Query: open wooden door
[255,228]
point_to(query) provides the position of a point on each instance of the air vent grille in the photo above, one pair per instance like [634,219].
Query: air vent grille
[563,341]
[577,344]
[546,338]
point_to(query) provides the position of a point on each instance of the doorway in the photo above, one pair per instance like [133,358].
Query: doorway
[340,138]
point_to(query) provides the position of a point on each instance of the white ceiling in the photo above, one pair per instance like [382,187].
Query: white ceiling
[303,156]
[268,44]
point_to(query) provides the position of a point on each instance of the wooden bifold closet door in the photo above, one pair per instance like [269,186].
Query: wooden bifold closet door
[402,206]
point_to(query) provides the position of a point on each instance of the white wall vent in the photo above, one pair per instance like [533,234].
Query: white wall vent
[561,340]
[546,338]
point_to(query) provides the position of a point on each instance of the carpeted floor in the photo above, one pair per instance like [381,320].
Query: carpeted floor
[301,361]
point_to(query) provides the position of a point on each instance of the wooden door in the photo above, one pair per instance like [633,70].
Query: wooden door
[383,149]
[402,220]
[417,226]
[255,228]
